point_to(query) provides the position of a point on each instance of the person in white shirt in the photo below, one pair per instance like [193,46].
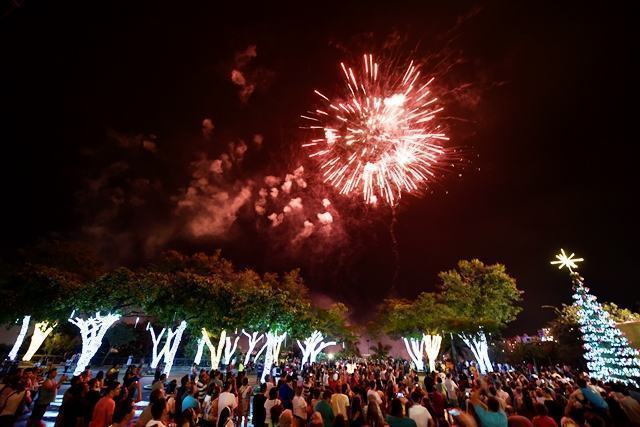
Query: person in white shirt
[227,398]
[299,406]
[451,387]
[419,413]
[269,404]
[340,402]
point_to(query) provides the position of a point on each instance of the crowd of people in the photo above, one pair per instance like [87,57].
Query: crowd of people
[337,394]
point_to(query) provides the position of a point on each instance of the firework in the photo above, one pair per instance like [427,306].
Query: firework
[380,138]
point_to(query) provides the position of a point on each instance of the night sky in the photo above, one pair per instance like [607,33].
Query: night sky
[103,104]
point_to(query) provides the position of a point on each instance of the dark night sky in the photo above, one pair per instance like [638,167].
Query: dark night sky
[550,134]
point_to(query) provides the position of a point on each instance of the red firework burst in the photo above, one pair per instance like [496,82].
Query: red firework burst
[380,137]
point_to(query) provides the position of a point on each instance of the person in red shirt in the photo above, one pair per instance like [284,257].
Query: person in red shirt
[542,418]
[103,411]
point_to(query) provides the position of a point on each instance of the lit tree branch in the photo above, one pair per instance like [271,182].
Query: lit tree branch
[92,331]
[20,339]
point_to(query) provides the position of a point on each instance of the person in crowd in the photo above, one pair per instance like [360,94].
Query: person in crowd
[273,408]
[201,385]
[451,390]
[46,394]
[286,392]
[158,409]
[103,411]
[225,419]
[324,408]
[396,416]
[14,397]
[189,401]
[419,412]
[286,418]
[316,420]
[244,401]
[542,418]
[515,420]
[299,407]
[258,416]
[73,409]
[160,383]
[490,414]
[227,399]
[123,413]
[340,402]
[146,416]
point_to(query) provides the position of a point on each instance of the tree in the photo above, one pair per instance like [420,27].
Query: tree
[44,282]
[565,329]
[327,327]
[607,351]
[418,323]
[478,299]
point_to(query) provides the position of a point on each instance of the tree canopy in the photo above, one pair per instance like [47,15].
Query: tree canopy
[476,297]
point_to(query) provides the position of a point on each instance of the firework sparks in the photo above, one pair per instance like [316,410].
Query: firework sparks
[381,138]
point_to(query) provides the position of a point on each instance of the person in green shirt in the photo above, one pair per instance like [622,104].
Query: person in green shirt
[396,416]
[324,407]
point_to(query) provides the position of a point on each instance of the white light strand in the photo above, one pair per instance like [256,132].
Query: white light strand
[415,349]
[216,353]
[230,349]
[173,341]
[274,342]
[20,339]
[156,356]
[254,339]
[41,331]
[313,346]
[92,331]
[199,352]
[477,343]
[608,353]
[432,345]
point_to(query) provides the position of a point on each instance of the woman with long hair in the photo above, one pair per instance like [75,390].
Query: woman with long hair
[225,419]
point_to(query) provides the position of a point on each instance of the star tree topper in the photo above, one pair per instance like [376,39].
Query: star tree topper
[562,260]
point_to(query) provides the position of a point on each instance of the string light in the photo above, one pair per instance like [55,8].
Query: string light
[312,347]
[92,331]
[20,339]
[173,341]
[607,351]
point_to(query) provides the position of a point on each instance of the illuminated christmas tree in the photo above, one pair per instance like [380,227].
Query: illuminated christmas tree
[607,351]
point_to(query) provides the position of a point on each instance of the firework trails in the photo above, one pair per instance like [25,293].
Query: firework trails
[380,138]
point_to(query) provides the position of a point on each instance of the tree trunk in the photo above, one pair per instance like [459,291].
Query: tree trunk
[20,338]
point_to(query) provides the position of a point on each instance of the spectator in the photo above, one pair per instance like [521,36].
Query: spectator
[542,418]
[324,408]
[259,411]
[418,412]
[340,402]
[103,411]
[46,395]
[396,416]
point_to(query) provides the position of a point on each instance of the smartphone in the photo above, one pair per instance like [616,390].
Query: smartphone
[454,412]
[400,395]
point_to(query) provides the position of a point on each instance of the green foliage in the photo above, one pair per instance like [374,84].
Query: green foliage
[400,318]
[478,297]
[619,314]
[45,279]
[333,323]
